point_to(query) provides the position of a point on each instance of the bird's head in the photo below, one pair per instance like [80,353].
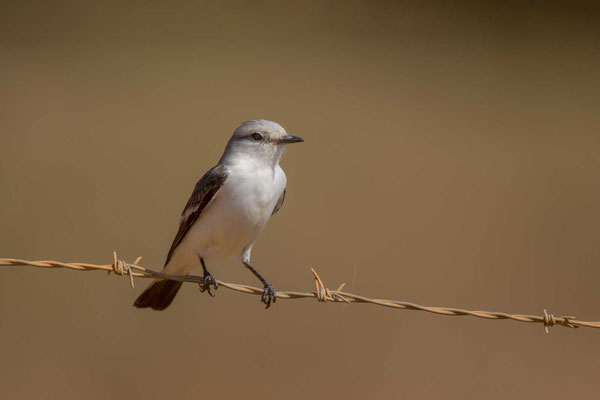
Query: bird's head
[260,139]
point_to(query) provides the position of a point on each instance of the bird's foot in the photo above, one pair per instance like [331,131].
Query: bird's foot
[268,295]
[209,281]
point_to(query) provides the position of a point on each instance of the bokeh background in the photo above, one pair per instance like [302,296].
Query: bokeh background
[451,158]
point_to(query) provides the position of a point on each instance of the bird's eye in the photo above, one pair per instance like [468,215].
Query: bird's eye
[257,136]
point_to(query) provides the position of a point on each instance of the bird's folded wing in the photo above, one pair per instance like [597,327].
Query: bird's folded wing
[204,193]
[279,202]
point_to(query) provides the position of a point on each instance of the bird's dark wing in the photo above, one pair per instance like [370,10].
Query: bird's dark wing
[279,202]
[204,193]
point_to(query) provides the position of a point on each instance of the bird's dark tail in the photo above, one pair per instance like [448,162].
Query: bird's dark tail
[158,295]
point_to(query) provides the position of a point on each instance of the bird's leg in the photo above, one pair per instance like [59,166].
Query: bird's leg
[208,279]
[269,294]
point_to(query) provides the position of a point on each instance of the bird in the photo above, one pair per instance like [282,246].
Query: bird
[228,208]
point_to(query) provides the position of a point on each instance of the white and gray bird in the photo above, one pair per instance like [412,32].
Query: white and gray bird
[229,207]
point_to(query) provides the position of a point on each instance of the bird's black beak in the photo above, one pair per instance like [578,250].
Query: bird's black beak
[291,139]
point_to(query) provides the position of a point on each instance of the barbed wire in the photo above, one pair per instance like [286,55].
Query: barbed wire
[321,293]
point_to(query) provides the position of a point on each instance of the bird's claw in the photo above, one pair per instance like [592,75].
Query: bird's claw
[268,295]
[209,281]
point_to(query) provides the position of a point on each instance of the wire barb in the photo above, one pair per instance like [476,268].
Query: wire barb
[321,293]
[324,294]
[120,267]
[548,321]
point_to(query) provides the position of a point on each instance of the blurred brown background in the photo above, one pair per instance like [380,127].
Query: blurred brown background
[451,158]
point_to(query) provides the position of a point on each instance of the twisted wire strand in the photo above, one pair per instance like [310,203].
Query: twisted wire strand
[321,293]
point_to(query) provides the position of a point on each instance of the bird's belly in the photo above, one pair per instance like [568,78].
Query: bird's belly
[230,224]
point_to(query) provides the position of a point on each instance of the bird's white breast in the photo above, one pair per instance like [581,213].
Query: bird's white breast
[233,220]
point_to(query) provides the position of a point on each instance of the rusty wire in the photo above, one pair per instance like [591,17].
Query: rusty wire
[321,293]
